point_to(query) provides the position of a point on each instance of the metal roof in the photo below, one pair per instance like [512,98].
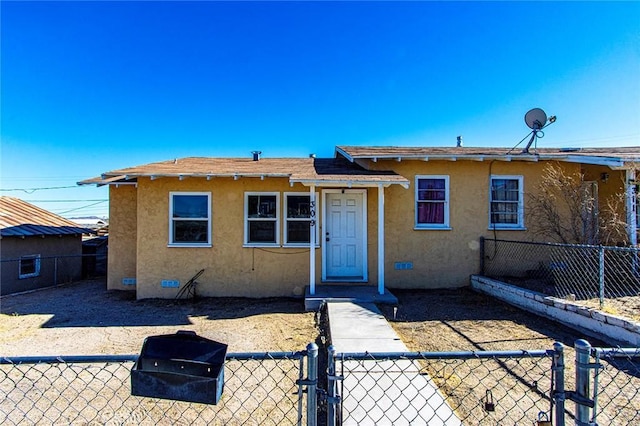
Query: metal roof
[21,219]
[613,157]
[308,171]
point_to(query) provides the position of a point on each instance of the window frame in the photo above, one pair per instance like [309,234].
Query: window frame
[247,220]
[209,221]
[520,204]
[433,226]
[36,259]
[286,219]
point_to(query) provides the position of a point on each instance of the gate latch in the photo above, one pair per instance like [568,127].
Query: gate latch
[489,405]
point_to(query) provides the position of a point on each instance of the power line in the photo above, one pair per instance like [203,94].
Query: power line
[83,207]
[32,190]
[65,201]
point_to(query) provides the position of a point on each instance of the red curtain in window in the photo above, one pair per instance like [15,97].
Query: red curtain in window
[431,213]
[431,199]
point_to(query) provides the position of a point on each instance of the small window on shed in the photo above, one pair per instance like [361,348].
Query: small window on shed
[29,266]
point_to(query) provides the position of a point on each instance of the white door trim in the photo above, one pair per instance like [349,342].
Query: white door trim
[365,268]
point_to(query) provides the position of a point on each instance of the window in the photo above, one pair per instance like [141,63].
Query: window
[506,202]
[298,216]
[261,218]
[190,219]
[29,266]
[432,202]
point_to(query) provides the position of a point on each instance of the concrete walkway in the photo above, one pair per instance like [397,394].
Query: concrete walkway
[394,392]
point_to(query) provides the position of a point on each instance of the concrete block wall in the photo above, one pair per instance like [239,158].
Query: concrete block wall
[614,330]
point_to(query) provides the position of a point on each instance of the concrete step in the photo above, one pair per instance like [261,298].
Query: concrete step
[342,293]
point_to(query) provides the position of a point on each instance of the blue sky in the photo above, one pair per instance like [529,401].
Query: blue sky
[89,87]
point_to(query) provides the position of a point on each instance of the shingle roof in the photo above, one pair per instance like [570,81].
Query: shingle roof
[306,170]
[340,171]
[588,155]
[19,218]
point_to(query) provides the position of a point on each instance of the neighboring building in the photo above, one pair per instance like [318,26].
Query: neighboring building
[382,216]
[30,240]
[99,225]
[94,260]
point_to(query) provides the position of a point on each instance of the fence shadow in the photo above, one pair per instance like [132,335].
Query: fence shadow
[450,306]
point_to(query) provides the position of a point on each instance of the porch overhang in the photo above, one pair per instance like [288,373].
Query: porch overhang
[349,182]
[340,173]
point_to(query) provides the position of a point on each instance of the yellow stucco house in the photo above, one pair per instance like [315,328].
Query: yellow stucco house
[397,217]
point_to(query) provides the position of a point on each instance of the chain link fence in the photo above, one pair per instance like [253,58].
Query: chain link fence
[616,386]
[575,272]
[259,389]
[448,388]
[35,272]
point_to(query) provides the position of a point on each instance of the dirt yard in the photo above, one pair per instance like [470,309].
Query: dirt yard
[85,319]
[459,320]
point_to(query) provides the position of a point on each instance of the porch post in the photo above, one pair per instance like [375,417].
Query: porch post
[312,240]
[380,239]
[631,206]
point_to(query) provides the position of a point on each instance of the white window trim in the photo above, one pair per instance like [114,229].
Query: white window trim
[246,219]
[285,219]
[36,273]
[508,226]
[436,226]
[171,219]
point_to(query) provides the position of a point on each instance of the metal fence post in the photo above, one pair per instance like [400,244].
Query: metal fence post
[331,386]
[583,353]
[558,377]
[601,275]
[312,384]
[55,271]
[482,256]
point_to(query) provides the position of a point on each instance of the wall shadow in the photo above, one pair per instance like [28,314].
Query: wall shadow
[89,304]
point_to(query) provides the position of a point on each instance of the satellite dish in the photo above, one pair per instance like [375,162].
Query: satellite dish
[535,119]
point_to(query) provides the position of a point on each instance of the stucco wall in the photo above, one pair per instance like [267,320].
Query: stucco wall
[611,190]
[48,247]
[446,258]
[122,237]
[139,226]
[230,268]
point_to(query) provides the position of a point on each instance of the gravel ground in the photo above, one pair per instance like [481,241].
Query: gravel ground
[448,320]
[84,318]
[461,320]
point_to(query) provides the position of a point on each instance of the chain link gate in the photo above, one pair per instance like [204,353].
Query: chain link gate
[447,388]
[486,388]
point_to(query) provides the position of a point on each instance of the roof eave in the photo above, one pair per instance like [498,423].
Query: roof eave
[612,162]
[132,178]
[448,157]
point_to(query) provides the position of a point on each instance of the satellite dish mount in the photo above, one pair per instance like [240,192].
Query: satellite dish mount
[536,119]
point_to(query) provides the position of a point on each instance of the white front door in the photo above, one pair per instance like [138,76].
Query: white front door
[344,234]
